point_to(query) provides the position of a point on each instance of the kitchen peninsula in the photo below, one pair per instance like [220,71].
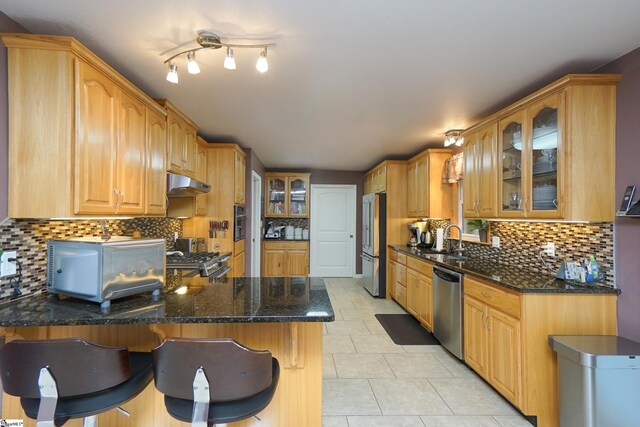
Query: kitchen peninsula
[282,315]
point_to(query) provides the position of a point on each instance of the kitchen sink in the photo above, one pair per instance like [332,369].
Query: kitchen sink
[444,257]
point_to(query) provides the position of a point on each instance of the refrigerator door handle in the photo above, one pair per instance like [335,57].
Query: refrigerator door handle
[366,256]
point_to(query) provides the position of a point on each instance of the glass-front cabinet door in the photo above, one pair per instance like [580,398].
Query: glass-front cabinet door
[543,158]
[298,192]
[276,203]
[511,168]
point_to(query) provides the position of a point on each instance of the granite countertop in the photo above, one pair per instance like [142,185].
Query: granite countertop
[185,300]
[518,279]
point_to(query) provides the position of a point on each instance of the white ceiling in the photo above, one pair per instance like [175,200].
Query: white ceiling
[350,82]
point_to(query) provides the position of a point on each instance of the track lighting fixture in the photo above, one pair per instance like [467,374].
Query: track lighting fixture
[172,75]
[229,62]
[453,137]
[208,40]
[192,64]
[262,65]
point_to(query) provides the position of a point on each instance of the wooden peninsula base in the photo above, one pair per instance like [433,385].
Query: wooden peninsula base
[297,346]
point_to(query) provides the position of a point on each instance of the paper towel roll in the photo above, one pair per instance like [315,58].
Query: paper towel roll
[439,239]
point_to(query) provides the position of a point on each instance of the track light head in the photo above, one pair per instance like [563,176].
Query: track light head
[192,64]
[229,61]
[262,65]
[172,75]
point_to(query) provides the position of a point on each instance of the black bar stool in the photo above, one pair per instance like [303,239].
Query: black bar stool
[209,381]
[61,379]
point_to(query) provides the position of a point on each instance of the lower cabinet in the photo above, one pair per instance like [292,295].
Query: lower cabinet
[411,285]
[492,337]
[237,268]
[285,259]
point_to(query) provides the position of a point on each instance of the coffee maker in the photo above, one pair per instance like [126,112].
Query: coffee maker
[420,234]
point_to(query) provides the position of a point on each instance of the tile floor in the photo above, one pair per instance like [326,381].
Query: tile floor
[371,382]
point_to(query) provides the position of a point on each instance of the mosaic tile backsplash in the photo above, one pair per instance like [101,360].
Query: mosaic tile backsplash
[520,245]
[29,239]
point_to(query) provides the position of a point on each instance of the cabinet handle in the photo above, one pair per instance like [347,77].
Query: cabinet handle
[476,206]
[524,203]
[115,205]
[487,296]
[484,323]
[121,197]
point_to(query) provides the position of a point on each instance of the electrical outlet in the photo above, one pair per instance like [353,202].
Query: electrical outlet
[549,249]
[495,241]
[8,268]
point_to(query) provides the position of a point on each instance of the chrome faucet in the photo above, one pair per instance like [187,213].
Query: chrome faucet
[105,231]
[446,235]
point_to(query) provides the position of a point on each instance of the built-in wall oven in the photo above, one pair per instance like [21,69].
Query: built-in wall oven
[239,222]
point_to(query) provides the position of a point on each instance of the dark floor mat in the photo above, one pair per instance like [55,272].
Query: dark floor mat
[404,329]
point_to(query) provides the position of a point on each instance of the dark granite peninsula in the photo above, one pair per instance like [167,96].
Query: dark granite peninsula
[282,315]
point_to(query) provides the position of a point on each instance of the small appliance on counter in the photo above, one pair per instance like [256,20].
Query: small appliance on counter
[273,232]
[189,245]
[297,233]
[100,270]
[421,235]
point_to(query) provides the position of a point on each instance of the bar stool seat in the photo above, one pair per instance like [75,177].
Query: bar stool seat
[89,378]
[238,382]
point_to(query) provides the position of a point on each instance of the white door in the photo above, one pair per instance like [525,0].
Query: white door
[256,223]
[333,225]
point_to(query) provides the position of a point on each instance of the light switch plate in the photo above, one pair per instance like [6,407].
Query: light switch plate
[8,268]
[495,241]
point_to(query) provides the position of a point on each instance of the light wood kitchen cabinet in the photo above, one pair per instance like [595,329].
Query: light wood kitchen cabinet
[480,173]
[187,207]
[492,337]
[413,292]
[156,188]
[427,195]
[239,178]
[238,265]
[392,272]
[94,137]
[287,195]
[285,259]
[375,181]
[182,145]
[401,284]
[550,144]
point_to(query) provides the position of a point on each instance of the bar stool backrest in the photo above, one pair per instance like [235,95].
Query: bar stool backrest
[78,367]
[232,370]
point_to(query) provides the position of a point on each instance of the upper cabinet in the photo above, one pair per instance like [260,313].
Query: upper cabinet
[93,150]
[239,177]
[375,181]
[555,155]
[479,182]
[287,195]
[156,200]
[427,196]
[182,146]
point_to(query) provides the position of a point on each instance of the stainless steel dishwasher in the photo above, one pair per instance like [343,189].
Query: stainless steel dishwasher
[447,309]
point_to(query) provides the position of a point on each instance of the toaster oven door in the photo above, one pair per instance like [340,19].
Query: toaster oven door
[76,272]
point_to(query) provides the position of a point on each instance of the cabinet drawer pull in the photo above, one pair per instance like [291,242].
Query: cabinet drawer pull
[486,295]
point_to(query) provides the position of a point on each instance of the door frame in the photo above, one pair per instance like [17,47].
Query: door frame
[352,245]
[256,223]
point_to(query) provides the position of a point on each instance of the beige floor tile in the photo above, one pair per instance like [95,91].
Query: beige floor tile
[334,421]
[433,349]
[337,344]
[375,327]
[337,302]
[347,327]
[455,366]
[375,344]
[471,397]
[408,397]
[385,421]
[348,397]
[512,421]
[328,366]
[357,314]
[362,366]
[459,421]
[417,365]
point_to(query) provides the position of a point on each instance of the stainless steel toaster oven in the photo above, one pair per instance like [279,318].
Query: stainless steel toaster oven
[100,270]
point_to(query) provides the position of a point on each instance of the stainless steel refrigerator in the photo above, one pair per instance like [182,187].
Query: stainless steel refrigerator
[374,243]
